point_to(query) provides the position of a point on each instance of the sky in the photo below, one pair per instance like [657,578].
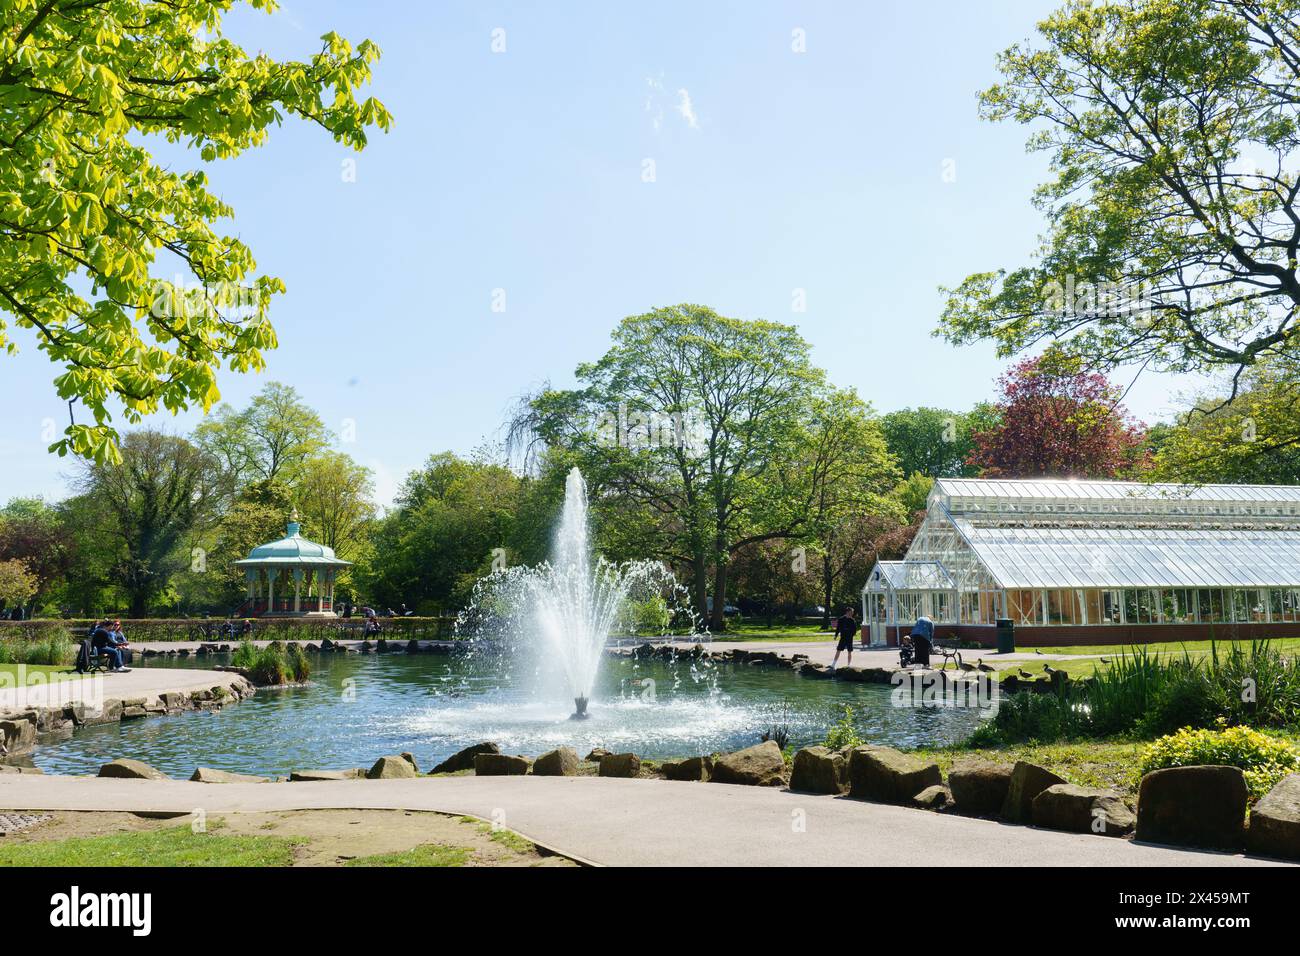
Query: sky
[554,168]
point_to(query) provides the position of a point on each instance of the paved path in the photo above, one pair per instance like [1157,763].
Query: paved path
[643,822]
[144,682]
[822,652]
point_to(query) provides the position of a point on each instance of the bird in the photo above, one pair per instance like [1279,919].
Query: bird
[1105,660]
[966,667]
[1025,674]
[985,667]
[1051,671]
[1037,651]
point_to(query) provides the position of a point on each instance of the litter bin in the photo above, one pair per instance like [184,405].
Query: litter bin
[1006,635]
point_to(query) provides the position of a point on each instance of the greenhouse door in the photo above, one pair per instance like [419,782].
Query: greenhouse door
[877,619]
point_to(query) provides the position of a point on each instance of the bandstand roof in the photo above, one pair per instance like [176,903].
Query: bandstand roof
[293,550]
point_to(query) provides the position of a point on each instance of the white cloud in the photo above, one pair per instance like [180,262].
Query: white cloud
[686,108]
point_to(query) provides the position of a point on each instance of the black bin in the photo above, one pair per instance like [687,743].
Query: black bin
[1006,635]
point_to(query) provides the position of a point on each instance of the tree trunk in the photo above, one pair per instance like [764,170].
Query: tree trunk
[718,619]
[828,585]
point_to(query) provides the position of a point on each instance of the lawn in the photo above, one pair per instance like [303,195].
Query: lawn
[757,629]
[1193,648]
[47,673]
[174,846]
[428,854]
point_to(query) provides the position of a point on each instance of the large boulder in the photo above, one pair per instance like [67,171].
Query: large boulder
[410,758]
[620,765]
[1063,806]
[692,768]
[761,765]
[499,765]
[979,787]
[596,754]
[1275,821]
[391,768]
[889,776]
[561,762]
[1193,806]
[819,770]
[131,770]
[464,759]
[1027,781]
[208,775]
[17,734]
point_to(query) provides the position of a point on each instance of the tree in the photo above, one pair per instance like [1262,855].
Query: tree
[449,519]
[84,207]
[164,489]
[692,419]
[1250,438]
[1173,229]
[17,584]
[333,498]
[933,441]
[850,473]
[1058,422]
[270,440]
[31,531]
[258,514]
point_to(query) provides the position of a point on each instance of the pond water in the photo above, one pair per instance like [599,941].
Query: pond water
[359,707]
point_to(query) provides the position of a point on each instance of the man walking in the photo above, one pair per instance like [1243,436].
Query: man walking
[846,626]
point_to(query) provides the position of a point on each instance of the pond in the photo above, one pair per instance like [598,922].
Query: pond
[357,708]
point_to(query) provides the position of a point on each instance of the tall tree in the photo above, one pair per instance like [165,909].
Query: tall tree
[1056,422]
[269,440]
[164,489]
[85,88]
[934,442]
[333,497]
[31,531]
[1250,438]
[1173,230]
[695,426]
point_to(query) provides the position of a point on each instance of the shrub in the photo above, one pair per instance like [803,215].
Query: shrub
[842,733]
[273,664]
[1265,760]
[40,642]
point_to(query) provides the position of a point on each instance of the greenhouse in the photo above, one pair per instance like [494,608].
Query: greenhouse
[1095,562]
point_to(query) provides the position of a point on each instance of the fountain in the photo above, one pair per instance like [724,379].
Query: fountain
[565,609]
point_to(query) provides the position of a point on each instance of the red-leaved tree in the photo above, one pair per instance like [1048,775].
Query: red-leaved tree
[1058,424]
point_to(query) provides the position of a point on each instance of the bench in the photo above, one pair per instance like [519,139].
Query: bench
[949,648]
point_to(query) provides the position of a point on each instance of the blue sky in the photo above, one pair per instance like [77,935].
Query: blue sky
[857,171]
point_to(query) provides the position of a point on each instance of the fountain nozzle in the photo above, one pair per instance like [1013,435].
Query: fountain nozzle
[579,709]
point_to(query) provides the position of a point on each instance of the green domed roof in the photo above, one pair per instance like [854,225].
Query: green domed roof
[293,548]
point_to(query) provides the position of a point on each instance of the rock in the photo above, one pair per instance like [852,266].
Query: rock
[1027,781]
[596,754]
[499,765]
[391,768]
[620,765]
[935,798]
[761,765]
[313,776]
[129,713]
[1193,806]
[692,768]
[889,776]
[819,770]
[207,775]
[409,758]
[561,762]
[131,769]
[1275,821]
[19,768]
[1063,806]
[464,759]
[979,787]
[816,671]
[17,735]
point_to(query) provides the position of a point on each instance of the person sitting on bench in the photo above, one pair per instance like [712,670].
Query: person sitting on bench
[107,639]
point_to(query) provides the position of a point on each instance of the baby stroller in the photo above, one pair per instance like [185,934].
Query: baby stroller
[915,648]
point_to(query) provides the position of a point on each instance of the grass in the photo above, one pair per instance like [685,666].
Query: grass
[428,854]
[1166,648]
[1105,764]
[48,672]
[174,846]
